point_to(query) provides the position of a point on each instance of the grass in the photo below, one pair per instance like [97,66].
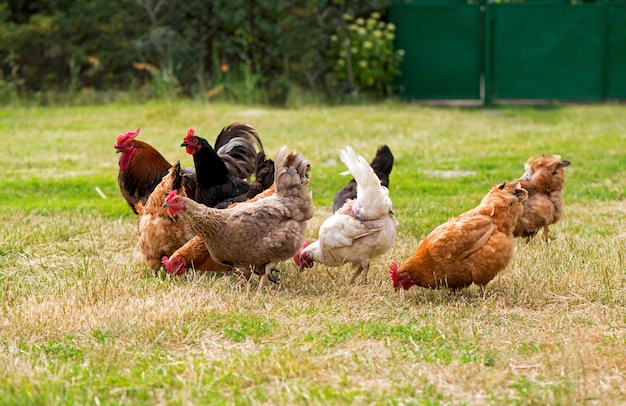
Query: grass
[82,320]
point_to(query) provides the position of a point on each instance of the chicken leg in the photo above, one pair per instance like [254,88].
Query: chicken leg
[358,271]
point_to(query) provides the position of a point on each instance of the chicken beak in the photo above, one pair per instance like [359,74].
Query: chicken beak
[169,213]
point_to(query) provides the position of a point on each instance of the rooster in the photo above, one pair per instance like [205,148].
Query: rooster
[159,233]
[263,180]
[220,172]
[472,247]
[543,179]
[141,168]
[360,230]
[260,233]
[381,164]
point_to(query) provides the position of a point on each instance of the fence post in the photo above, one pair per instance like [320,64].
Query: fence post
[605,51]
[487,76]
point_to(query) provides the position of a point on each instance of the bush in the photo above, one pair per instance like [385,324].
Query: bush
[247,50]
[364,56]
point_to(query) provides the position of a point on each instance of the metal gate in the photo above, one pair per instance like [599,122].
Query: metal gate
[525,50]
[443,49]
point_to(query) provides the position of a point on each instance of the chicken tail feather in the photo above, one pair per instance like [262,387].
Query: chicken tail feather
[291,171]
[237,145]
[177,176]
[264,171]
[371,195]
[382,164]
[291,179]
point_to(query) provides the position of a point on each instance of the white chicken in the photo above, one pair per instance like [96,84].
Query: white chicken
[361,230]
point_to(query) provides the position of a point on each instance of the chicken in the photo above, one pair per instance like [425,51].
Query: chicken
[360,230]
[381,164]
[220,171]
[543,179]
[472,247]
[263,180]
[194,254]
[159,233]
[255,234]
[141,168]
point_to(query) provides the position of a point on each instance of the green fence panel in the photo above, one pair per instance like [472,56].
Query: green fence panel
[616,51]
[443,52]
[546,51]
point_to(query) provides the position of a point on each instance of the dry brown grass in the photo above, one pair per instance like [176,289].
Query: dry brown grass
[83,321]
[550,329]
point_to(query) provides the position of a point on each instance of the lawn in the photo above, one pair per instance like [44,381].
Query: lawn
[83,321]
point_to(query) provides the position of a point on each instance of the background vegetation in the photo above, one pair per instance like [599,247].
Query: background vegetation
[82,321]
[267,51]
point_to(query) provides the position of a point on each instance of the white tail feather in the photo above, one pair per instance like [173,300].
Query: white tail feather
[371,195]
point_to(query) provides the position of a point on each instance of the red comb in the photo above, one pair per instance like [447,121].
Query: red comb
[190,134]
[297,258]
[171,195]
[124,138]
[166,262]
[393,271]
[171,268]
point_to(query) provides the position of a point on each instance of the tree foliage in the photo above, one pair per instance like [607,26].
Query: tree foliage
[193,48]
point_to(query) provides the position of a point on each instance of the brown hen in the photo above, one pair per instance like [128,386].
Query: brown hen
[470,248]
[543,179]
[160,233]
[255,235]
[194,254]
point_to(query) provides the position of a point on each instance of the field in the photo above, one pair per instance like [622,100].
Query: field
[83,321]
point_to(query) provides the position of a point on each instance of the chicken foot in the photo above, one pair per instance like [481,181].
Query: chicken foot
[546,235]
[358,272]
[269,273]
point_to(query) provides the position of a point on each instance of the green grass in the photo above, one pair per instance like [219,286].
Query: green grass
[82,320]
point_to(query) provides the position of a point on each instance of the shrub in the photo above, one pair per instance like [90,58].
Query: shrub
[364,55]
[249,50]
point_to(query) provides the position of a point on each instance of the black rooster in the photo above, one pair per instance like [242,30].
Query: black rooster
[220,172]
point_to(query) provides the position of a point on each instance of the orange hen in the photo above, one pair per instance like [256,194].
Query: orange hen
[194,254]
[470,248]
[160,233]
[543,179]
